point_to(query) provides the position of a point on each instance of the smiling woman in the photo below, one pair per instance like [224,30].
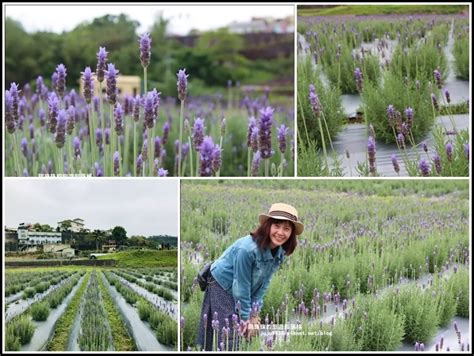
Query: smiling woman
[240,277]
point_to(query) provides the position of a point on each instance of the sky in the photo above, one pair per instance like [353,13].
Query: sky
[141,206]
[183,18]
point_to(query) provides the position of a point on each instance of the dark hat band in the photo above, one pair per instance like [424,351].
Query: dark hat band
[284,214]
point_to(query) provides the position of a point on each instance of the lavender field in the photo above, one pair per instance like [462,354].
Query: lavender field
[54,130]
[67,309]
[381,266]
[383,95]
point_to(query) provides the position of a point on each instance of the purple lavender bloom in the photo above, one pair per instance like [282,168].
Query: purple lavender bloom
[61,129]
[265,132]
[395,164]
[54,80]
[139,164]
[438,79]
[156,102]
[182,84]
[88,84]
[434,100]
[216,158]
[198,132]
[425,146]
[98,137]
[42,117]
[39,85]
[15,100]
[107,135]
[251,124]
[145,150]
[424,167]
[111,81]
[359,78]
[32,131]
[401,140]
[136,108]
[371,153]
[76,143]
[157,147]
[166,131]
[449,151]
[466,150]
[24,147]
[391,115]
[9,116]
[116,163]
[409,116]
[254,139]
[447,95]
[181,323]
[422,347]
[282,132]
[437,162]
[256,163]
[206,153]
[162,172]
[101,63]
[149,110]
[61,80]
[145,49]
[118,114]
[71,114]
[314,101]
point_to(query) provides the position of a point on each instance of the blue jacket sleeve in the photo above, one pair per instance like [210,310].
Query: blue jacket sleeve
[242,283]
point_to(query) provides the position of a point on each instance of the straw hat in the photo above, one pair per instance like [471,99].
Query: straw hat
[283,211]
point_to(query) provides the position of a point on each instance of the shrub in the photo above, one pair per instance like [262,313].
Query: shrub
[40,311]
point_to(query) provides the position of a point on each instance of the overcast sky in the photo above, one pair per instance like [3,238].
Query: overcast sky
[142,206]
[183,18]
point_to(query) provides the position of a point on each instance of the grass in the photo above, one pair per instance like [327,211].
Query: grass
[144,258]
[382,10]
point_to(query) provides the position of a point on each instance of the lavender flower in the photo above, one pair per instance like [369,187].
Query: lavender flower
[162,172]
[371,153]
[111,81]
[15,100]
[107,135]
[61,80]
[265,132]
[314,101]
[359,78]
[434,100]
[157,147]
[118,114]
[256,163]
[466,150]
[61,129]
[424,167]
[447,95]
[437,163]
[139,165]
[76,143]
[216,158]
[101,63]
[395,164]
[282,132]
[98,137]
[206,153]
[391,115]
[424,146]
[182,84]
[149,110]
[24,147]
[401,140]
[438,79]
[449,151]
[98,170]
[145,49]
[39,85]
[251,124]
[198,132]
[9,116]
[71,115]
[409,116]
[116,163]
[88,84]
[136,108]
[166,131]
[254,139]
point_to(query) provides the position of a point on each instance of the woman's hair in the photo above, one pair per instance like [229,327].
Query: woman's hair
[261,236]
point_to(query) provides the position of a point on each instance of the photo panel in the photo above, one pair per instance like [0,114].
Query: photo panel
[91,265]
[383,90]
[147,90]
[325,265]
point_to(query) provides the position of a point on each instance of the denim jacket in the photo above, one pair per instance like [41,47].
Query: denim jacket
[245,271]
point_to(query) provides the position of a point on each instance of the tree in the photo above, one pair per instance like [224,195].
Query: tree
[65,225]
[99,237]
[119,235]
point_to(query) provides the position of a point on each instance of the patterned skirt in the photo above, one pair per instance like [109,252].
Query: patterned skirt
[217,303]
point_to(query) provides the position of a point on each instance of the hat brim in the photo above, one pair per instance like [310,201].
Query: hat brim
[299,227]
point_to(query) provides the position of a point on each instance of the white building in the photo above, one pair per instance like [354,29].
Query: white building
[26,237]
[76,225]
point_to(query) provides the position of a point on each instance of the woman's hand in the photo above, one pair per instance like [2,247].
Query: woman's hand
[253,327]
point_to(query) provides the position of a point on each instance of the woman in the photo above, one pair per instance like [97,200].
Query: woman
[240,277]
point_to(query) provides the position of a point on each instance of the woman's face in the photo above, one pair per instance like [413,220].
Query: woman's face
[280,232]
